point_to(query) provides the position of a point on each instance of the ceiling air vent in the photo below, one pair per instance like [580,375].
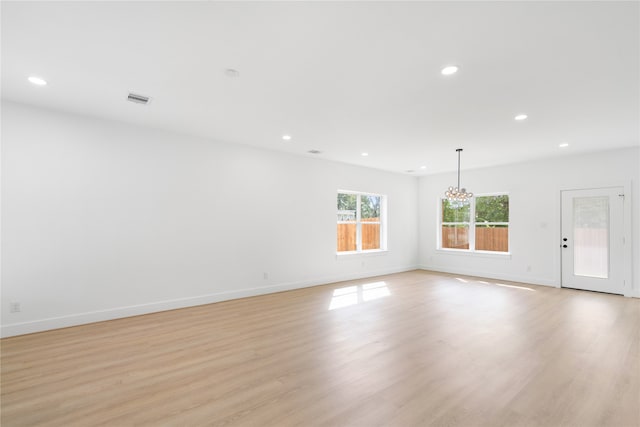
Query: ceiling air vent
[138,99]
[314,151]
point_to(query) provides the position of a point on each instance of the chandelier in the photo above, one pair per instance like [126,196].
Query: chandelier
[458,196]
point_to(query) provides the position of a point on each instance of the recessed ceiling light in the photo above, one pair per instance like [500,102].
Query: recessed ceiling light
[520,117]
[410,171]
[286,137]
[449,69]
[564,145]
[423,167]
[364,154]
[314,151]
[37,81]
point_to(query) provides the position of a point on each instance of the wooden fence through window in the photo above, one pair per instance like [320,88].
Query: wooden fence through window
[347,236]
[487,238]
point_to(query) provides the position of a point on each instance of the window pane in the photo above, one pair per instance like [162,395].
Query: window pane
[370,206]
[347,215]
[492,209]
[370,236]
[347,201]
[347,205]
[455,236]
[452,213]
[492,238]
[346,237]
[591,236]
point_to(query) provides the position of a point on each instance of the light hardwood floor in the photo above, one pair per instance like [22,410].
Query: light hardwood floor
[409,349]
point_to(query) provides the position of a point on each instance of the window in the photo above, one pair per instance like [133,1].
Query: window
[481,225]
[455,225]
[360,222]
[492,223]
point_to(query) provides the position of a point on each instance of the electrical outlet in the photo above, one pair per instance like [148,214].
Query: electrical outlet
[265,275]
[528,269]
[14,307]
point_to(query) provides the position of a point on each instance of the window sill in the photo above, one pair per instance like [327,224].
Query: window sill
[374,252]
[478,254]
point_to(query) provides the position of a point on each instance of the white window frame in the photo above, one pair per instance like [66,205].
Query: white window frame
[472,227]
[358,222]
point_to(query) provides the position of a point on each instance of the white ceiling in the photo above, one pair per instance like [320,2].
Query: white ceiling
[343,77]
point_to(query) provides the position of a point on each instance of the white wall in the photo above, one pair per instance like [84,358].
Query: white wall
[534,190]
[102,220]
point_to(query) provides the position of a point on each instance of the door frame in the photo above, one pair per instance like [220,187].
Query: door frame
[627,260]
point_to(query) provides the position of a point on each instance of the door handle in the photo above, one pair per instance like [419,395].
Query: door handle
[564,246]
[564,239]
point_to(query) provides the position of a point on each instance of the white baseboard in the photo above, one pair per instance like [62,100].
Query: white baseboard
[40,325]
[521,279]
[511,278]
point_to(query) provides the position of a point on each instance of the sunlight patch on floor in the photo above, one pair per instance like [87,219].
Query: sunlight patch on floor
[352,295]
[524,288]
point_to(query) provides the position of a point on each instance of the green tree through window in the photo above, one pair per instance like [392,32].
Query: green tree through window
[492,209]
[347,202]
[370,206]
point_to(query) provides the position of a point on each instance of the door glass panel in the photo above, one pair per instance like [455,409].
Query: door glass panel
[591,236]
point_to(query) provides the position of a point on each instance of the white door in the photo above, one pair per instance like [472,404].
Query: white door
[593,239]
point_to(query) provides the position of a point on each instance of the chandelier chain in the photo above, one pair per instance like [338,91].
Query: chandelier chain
[458,196]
